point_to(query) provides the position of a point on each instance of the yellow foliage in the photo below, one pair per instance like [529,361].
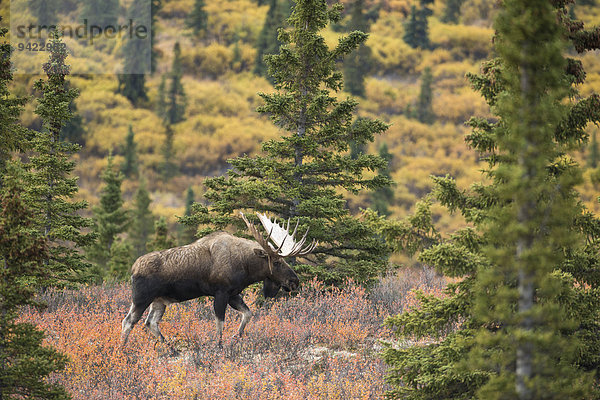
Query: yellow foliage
[176,9]
[387,96]
[477,12]
[589,15]
[228,19]
[433,58]
[247,57]
[461,40]
[215,139]
[221,121]
[211,61]
[451,75]
[402,6]
[591,64]
[391,55]
[457,107]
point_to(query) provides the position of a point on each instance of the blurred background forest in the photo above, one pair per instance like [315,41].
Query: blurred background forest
[411,75]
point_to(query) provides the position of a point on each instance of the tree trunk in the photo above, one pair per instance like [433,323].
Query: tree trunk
[526,276]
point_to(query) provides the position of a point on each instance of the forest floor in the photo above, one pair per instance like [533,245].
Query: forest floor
[318,344]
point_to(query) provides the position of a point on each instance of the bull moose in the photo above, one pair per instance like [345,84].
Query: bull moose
[219,265]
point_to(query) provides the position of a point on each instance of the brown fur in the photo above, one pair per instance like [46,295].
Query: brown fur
[219,265]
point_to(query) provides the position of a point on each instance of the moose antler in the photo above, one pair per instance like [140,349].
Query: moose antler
[285,243]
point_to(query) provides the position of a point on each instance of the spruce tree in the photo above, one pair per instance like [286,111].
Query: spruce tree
[73,131]
[383,196]
[12,133]
[25,362]
[44,11]
[121,258]
[167,167]
[416,29]
[176,101]
[452,11]
[594,154]
[530,352]
[357,64]
[155,6]
[301,174]
[188,233]
[102,13]
[50,184]
[110,218]
[137,53]
[161,101]
[268,43]
[198,19]
[410,28]
[161,239]
[130,163]
[142,220]
[481,324]
[423,108]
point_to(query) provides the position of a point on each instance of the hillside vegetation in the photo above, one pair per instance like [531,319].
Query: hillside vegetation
[220,120]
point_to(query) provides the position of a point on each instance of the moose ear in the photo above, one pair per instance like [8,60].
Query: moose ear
[261,253]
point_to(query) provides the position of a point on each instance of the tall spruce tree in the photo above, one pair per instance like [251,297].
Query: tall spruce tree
[357,64]
[129,168]
[102,13]
[268,43]
[198,18]
[161,100]
[416,29]
[161,239]
[188,233]
[176,101]
[301,174]
[383,196]
[167,167]
[50,185]
[594,153]
[44,11]
[452,11]
[424,108]
[73,130]
[25,362]
[529,355]
[121,258]
[142,220]
[137,53]
[526,234]
[110,218]
[12,133]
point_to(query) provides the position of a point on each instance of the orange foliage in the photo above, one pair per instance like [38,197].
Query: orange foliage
[320,344]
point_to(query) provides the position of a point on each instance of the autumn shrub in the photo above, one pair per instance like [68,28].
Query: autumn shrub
[209,61]
[320,343]
[390,54]
[392,293]
[463,41]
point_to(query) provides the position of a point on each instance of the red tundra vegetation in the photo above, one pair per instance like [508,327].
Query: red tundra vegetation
[318,344]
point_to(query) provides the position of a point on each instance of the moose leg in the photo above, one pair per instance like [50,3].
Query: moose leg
[157,310]
[238,304]
[133,316]
[220,306]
